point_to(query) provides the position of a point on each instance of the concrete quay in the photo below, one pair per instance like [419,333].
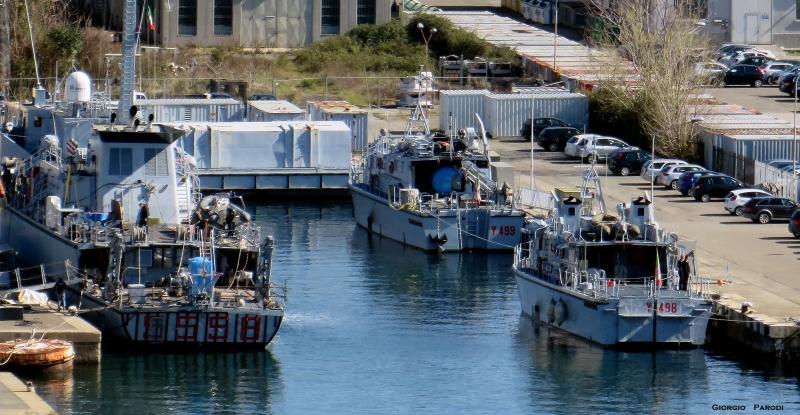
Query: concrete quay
[16,399]
[757,263]
[52,324]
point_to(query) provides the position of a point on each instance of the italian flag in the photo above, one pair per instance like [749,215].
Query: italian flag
[150,19]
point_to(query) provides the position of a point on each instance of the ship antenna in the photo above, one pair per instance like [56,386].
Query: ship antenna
[33,47]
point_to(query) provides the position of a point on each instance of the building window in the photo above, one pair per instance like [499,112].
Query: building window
[330,17]
[366,12]
[187,17]
[155,162]
[223,17]
[120,162]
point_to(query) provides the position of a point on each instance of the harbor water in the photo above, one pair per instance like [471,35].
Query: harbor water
[373,327]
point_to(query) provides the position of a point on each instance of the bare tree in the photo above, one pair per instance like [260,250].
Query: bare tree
[659,38]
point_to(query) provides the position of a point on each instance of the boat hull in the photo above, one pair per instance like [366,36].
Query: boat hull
[616,322]
[479,229]
[183,326]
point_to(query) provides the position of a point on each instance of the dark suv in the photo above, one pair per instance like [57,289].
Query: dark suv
[540,124]
[555,138]
[709,187]
[742,75]
[766,209]
[794,224]
[625,162]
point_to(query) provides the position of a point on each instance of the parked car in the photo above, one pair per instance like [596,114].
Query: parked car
[218,95]
[742,75]
[540,124]
[757,60]
[728,48]
[794,70]
[768,209]
[771,70]
[706,188]
[794,224]
[625,162]
[690,178]
[781,163]
[670,174]
[738,197]
[709,73]
[3,103]
[595,148]
[732,60]
[262,97]
[555,138]
[652,168]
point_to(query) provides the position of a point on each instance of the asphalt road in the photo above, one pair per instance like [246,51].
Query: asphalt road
[759,261]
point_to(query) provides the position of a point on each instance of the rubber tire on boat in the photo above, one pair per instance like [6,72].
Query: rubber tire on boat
[764,218]
[625,171]
[553,147]
[738,211]
[705,197]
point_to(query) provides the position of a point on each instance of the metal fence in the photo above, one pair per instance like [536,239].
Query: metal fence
[734,165]
[776,181]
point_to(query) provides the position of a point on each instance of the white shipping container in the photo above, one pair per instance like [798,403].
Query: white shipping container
[266,145]
[352,116]
[503,114]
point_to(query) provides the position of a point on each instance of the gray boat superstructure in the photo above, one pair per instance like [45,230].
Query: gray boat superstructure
[434,192]
[612,279]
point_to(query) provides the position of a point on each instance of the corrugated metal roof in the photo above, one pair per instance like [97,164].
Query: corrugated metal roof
[256,126]
[750,132]
[337,107]
[470,92]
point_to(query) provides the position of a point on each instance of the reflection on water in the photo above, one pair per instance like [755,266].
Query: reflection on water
[375,327]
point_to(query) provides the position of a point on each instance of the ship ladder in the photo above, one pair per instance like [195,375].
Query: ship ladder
[208,248]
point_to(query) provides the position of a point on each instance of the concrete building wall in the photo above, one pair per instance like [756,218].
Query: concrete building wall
[754,21]
[255,23]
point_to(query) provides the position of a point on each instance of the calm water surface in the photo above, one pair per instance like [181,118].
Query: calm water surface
[373,327]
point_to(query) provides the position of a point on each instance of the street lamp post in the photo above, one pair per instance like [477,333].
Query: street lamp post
[555,38]
[433,30]
[794,130]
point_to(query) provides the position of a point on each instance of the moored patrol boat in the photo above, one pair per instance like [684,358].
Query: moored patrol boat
[434,192]
[612,279]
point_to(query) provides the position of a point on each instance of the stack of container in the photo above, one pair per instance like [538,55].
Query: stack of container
[353,116]
[265,111]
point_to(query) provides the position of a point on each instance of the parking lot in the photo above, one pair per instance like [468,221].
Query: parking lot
[766,100]
[759,261]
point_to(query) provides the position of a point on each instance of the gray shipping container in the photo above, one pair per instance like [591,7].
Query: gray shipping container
[463,105]
[194,110]
[759,147]
[503,114]
[353,116]
[266,111]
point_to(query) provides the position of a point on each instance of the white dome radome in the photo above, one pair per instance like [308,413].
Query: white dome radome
[78,87]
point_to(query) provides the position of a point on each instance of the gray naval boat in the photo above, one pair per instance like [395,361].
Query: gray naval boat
[434,192]
[613,279]
[194,272]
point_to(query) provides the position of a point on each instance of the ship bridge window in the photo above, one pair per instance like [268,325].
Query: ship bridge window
[155,162]
[120,162]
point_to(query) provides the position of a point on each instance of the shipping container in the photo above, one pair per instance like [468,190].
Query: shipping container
[190,110]
[266,145]
[352,116]
[503,114]
[457,108]
[266,111]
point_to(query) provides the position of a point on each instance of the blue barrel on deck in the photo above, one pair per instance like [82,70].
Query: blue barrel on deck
[442,180]
[196,266]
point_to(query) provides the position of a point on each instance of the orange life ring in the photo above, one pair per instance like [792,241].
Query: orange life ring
[391,166]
